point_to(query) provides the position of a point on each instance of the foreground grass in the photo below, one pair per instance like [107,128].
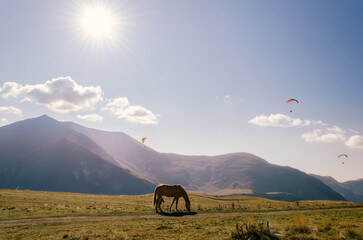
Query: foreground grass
[327,223]
[15,204]
[346,224]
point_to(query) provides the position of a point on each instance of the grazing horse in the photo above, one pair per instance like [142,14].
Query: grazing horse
[175,191]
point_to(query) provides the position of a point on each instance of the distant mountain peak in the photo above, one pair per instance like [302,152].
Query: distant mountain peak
[45,116]
[42,148]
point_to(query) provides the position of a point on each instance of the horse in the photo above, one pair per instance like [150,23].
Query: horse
[175,191]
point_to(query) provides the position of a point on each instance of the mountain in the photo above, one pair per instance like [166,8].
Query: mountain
[43,154]
[356,185]
[228,174]
[351,190]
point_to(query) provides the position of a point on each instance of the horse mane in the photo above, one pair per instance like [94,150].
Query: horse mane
[185,194]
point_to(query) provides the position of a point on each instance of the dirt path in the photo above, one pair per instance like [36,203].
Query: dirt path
[15,222]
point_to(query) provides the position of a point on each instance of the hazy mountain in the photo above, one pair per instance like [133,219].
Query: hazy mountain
[43,154]
[234,173]
[351,190]
[356,185]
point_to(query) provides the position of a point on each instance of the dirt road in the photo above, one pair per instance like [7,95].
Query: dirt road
[68,219]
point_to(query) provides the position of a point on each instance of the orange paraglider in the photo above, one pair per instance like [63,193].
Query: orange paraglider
[291,100]
[341,155]
[143,141]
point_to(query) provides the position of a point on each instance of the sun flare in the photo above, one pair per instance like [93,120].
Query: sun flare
[98,22]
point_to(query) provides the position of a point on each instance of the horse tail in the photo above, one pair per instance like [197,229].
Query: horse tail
[154,201]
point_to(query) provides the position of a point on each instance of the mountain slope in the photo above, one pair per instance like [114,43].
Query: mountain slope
[350,190]
[356,186]
[234,173]
[43,154]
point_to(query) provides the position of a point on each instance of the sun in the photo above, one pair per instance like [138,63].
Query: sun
[99,26]
[98,22]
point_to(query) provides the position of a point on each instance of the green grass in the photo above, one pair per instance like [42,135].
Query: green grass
[346,223]
[15,204]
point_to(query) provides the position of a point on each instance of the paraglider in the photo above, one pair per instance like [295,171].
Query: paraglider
[143,141]
[342,155]
[291,100]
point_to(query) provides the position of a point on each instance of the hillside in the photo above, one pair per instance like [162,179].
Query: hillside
[42,154]
[228,174]
[356,185]
[351,190]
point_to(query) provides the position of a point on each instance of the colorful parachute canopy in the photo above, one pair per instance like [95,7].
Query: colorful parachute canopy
[290,100]
[143,139]
[341,155]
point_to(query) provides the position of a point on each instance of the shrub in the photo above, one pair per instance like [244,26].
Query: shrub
[301,225]
[251,231]
[351,234]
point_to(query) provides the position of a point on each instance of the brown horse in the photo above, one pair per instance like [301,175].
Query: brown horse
[175,191]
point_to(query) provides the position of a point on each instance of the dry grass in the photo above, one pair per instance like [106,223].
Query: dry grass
[300,224]
[250,230]
[28,204]
[332,224]
[346,224]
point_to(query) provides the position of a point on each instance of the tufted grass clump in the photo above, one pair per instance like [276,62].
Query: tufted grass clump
[300,224]
[250,230]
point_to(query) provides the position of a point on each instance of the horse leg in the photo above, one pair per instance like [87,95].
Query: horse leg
[158,203]
[172,204]
[176,204]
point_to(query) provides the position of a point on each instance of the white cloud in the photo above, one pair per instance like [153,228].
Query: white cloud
[278,120]
[61,95]
[10,110]
[355,141]
[336,129]
[10,89]
[317,136]
[91,117]
[319,122]
[132,113]
[4,120]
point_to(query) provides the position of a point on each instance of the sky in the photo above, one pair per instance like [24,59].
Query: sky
[195,77]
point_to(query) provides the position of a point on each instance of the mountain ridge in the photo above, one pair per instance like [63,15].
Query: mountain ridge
[232,173]
[350,190]
[41,151]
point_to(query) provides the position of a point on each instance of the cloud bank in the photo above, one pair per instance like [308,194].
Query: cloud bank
[4,120]
[64,95]
[328,134]
[61,95]
[10,110]
[121,108]
[278,120]
[317,136]
[91,117]
[355,141]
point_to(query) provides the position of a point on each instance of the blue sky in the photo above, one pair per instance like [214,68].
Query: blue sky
[196,77]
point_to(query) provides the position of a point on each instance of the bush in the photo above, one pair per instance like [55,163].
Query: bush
[301,225]
[251,231]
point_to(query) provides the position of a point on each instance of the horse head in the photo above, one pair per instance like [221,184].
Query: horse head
[187,205]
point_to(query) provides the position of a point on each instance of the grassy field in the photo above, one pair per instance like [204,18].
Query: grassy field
[213,218]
